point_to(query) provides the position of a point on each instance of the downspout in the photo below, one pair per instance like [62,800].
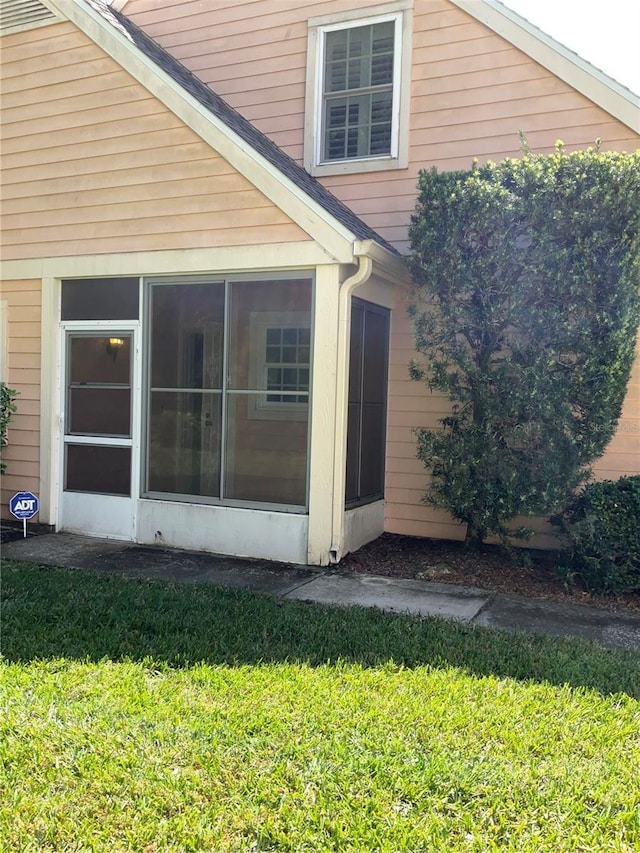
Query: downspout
[362,274]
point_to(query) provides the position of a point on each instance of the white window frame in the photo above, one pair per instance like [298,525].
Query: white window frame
[398,158]
[259,406]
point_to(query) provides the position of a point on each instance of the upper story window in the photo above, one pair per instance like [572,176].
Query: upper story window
[357,90]
[357,110]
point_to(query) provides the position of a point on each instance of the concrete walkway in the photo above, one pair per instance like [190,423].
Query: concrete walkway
[331,586]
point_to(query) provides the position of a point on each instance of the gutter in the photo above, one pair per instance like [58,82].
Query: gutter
[362,275]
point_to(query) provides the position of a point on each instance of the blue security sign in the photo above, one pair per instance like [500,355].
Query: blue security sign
[24,505]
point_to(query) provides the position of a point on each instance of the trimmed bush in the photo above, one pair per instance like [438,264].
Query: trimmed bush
[7,408]
[602,525]
[525,307]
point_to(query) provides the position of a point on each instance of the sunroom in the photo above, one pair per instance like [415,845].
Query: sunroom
[212,326]
[241,413]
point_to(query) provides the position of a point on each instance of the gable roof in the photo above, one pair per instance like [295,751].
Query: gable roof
[581,75]
[599,87]
[304,199]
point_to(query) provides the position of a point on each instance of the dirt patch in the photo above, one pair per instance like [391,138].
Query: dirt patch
[392,555]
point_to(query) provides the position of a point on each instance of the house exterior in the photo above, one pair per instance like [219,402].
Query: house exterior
[203,223]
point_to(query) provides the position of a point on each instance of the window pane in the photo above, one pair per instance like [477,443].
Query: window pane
[381,120]
[366,434]
[184,443]
[100,299]
[355,354]
[382,54]
[336,61]
[101,470]
[372,451]
[375,357]
[353,453]
[357,57]
[100,359]
[357,122]
[187,335]
[266,395]
[266,459]
[99,393]
[269,330]
[99,411]
[358,126]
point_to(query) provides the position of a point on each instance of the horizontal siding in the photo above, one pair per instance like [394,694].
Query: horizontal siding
[623,453]
[471,91]
[126,175]
[412,405]
[22,454]
[94,155]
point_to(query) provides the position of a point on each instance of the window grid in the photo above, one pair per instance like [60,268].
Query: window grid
[287,360]
[358,91]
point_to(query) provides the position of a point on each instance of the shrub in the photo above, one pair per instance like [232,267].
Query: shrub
[7,408]
[525,307]
[602,525]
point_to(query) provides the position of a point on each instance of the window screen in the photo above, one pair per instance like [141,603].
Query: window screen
[366,425]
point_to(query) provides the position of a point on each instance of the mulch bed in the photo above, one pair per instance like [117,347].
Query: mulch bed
[437,560]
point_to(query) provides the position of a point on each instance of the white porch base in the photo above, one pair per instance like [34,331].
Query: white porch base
[224,530]
[362,525]
[103,516]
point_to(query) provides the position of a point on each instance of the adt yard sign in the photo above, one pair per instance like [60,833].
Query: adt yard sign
[24,505]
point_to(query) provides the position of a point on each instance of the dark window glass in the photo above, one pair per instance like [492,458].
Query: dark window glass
[187,335]
[99,392]
[97,469]
[100,411]
[264,435]
[184,443]
[100,299]
[269,463]
[358,91]
[366,426]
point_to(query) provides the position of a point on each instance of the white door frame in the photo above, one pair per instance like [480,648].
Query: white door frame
[78,511]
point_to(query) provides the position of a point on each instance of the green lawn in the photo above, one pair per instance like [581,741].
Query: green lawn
[148,717]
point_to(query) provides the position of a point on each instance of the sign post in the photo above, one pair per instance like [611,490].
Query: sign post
[24,505]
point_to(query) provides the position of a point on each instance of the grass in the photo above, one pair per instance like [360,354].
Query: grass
[140,716]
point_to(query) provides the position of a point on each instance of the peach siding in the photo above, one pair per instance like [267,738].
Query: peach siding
[22,454]
[471,91]
[411,405]
[146,182]
[92,163]
[623,453]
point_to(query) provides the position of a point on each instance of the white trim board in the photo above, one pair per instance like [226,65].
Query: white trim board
[222,259]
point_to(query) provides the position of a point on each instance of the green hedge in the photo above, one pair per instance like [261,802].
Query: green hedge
[602,525]
[7,408]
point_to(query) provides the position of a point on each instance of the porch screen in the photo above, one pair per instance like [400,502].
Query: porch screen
[228,401]
[366,426]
